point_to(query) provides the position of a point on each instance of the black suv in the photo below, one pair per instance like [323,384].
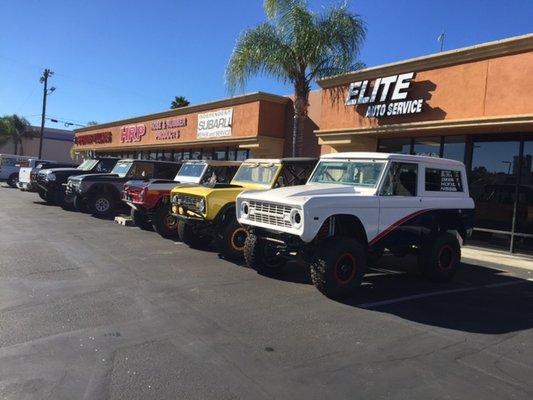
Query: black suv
[40,165]
[51,182]
[101,194]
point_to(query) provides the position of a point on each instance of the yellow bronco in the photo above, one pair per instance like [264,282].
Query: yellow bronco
[207,214]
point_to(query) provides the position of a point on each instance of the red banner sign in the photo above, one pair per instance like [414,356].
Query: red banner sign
[94,138]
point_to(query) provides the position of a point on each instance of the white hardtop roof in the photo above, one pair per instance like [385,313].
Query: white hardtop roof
[392,156]
[213,162]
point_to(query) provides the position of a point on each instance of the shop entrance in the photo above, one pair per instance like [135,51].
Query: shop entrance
[500,179]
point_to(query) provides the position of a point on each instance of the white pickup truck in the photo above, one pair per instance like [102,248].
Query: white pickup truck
[353,207]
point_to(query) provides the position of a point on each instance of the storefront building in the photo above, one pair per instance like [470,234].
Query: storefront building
[229,129]
[473,104]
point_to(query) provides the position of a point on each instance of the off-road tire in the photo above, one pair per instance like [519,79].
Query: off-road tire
[256,256]
[140,220]
[12,180]
[42,195]
[440,258]
[189,237]
[338,267]
[97,202]
[161,222]
[80,204]
[59,199]
[231,239]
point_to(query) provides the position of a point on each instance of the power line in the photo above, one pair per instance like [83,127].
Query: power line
[106,86]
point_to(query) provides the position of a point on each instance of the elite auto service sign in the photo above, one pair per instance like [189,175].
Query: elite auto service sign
[386,97]
[215,124]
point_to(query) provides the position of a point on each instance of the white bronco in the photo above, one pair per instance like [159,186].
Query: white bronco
[353,207]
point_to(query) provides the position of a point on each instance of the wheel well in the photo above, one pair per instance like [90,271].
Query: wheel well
[107,189]
[452,223]
[225,211]
[346,225]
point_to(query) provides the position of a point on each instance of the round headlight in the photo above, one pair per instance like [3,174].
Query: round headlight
[296,218]
[245,208]
[200,205]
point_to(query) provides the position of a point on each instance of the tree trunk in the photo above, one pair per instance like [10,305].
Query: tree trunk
[301,104]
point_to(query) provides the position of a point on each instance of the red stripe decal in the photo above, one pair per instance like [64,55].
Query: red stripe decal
[396,225]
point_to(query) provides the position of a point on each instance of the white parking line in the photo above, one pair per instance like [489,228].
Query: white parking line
[441,292]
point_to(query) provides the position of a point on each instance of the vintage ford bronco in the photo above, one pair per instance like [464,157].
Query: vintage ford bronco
[51,182]
[101,194]
[150,200]
[208,213]
[353,207]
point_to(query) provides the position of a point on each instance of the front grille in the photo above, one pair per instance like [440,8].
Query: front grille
[186,201]
[270,213]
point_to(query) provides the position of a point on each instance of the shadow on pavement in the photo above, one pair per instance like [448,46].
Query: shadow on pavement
[478,300]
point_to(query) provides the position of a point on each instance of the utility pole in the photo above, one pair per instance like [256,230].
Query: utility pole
[441,40]
[44,79]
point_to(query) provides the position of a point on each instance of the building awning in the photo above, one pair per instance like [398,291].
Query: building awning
[514,123]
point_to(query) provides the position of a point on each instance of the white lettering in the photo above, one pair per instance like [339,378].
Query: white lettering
[403,82]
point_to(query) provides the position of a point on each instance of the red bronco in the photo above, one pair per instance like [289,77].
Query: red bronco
[150,200]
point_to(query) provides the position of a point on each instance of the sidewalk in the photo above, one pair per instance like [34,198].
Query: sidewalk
[473,254]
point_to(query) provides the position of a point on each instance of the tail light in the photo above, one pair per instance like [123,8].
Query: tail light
[142,195]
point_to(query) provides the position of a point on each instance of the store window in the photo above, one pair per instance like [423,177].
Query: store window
[242,155]
[232,154]
[196,154]
[399,146]
[220,154]
[427,146]
[454,148]
[186,155]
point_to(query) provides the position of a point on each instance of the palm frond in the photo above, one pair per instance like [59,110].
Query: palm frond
[259,50]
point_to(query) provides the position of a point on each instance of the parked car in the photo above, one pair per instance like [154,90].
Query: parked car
[353,207]
[34,166]
[9,167]
[208,213]
[101,194]
[150,200]
[51,181]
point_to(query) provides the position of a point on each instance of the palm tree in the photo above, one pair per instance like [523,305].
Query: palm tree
[297,46]
[178,102]
[15,127]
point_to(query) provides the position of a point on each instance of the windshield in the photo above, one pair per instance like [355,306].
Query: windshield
[192,169]
[354,173]
[257,173]
[87,165]
[121,168]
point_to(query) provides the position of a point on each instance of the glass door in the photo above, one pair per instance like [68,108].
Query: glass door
[523,232]
[493,180]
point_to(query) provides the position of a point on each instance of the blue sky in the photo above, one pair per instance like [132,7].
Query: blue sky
[115,58]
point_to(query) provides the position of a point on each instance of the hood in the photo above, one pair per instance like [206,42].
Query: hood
[138,183]
[302,193]
[60,170]
[205,191]
[96,177]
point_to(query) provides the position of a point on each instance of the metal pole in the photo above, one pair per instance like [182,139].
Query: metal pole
[44,79]
[517,193]
[294,133]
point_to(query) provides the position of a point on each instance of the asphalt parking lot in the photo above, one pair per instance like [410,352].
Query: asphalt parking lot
[93,310]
